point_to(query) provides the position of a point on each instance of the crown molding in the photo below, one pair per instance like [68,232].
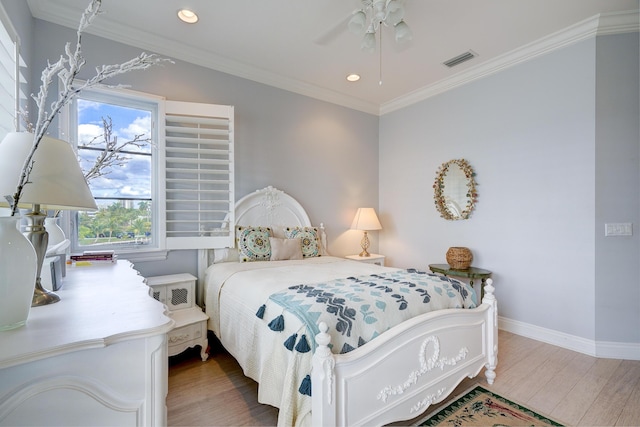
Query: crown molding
[131,36]
[602,24]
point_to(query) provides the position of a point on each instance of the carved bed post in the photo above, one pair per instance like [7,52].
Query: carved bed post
[323,389]
[492,331]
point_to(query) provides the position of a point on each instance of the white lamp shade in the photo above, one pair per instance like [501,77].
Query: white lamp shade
[56,181]
[395,12]
[403,32]
[357,22]
[369,42]
[366,219]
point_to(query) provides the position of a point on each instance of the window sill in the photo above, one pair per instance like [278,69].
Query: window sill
[156,255]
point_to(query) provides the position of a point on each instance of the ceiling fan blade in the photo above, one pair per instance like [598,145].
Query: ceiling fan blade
[335,31]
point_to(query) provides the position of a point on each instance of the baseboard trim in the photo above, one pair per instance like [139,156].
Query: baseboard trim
[604,349]
[618,350]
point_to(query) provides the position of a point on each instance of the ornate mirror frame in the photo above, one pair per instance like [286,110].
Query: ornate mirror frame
[440,195]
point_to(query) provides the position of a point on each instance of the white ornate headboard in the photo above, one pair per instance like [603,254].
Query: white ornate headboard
[268,207]
[273,208]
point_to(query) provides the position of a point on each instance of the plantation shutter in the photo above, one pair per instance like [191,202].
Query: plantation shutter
[12,81]
[199,185]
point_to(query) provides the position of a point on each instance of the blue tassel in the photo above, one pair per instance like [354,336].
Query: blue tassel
[305,386]
[260,312]
[277,324]
[346,348]
[303,345]
[290,342]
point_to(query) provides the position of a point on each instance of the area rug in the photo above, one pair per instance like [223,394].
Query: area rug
[480,407]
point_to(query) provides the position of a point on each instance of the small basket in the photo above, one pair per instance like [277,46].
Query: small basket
[459,258]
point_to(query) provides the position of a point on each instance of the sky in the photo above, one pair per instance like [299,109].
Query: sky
[133,178]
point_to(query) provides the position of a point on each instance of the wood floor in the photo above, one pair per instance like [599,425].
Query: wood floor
[573,388]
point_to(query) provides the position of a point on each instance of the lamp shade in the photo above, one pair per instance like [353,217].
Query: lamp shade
[369,42]
[56,180]
[395,12]
[403,32]
[357,22]
[366,219]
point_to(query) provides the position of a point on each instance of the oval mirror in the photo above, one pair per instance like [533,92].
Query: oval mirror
[455,190]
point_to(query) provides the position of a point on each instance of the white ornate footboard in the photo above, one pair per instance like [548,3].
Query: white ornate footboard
[408,368]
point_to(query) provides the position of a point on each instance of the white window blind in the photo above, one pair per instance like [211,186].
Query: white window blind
[12,81]
[199,184]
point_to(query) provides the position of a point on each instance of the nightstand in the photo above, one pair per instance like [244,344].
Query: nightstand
[177,293]
[372,259]
[470,273]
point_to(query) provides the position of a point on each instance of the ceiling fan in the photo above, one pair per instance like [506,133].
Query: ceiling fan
[368,19]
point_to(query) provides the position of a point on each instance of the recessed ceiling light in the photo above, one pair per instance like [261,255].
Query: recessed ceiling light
[187,16]
[353,77]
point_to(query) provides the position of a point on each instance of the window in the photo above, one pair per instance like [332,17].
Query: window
[116,136]
[166,178]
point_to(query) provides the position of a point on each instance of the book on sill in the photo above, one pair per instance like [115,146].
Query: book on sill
[103,252]
[83,262]
[94,257]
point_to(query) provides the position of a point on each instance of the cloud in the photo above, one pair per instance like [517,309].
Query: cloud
[87,132]
[133,178]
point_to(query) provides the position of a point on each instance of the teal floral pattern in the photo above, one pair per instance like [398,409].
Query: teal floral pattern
[310,240]
[253,243]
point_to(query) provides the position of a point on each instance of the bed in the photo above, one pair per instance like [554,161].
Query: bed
[326,369]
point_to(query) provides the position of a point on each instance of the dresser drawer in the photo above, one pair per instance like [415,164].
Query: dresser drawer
[190,330]
[185,334]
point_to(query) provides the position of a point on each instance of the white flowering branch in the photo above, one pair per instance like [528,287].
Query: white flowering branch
[111,150]
[67,69]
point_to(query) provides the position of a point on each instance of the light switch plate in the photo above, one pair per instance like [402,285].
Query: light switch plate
[618,229]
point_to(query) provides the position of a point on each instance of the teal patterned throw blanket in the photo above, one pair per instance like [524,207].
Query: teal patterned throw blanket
[358,309]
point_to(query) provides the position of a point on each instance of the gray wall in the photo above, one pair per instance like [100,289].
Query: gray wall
[324,155]
[535,134]
[617,268]
[554,142]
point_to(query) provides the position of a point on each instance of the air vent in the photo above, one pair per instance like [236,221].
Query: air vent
[460,59]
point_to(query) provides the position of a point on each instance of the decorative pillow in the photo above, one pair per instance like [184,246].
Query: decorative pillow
[309,237]
[225,255]
[283,249]
[253,243]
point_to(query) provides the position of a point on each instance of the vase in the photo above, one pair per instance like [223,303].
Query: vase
[56,235]
[17,275]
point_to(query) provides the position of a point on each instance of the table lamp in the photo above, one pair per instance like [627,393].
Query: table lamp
[56,182]
[365,220]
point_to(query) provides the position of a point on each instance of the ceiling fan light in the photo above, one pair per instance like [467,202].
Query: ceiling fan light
[358,22]
[395,13]
[393,5]
[403,32]
[369,42]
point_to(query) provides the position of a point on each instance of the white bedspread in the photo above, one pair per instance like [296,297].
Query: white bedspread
[234,291]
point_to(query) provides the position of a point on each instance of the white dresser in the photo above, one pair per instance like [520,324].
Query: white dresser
[177,292]
[97,357]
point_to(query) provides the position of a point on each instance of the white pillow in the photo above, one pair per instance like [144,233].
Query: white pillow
[284,249]
[225,255]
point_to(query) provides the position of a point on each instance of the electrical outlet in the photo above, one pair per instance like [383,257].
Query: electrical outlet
[618,229]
